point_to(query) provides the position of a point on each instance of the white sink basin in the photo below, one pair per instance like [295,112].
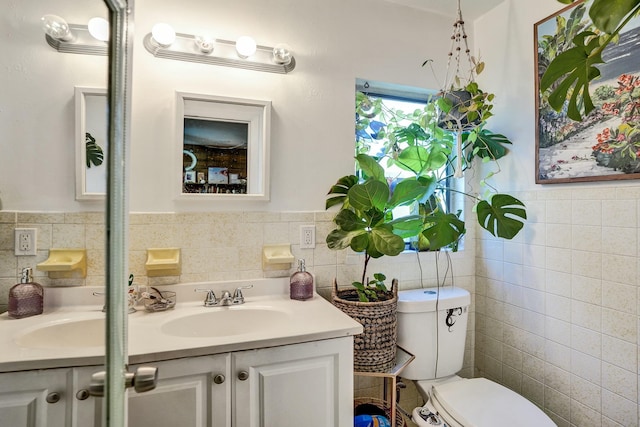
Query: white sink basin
[65,334]
[226,321]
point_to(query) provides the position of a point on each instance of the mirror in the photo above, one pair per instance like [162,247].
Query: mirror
[223,147]
[91,143]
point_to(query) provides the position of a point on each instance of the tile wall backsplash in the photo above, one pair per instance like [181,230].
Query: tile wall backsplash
[557,308]
[226,246]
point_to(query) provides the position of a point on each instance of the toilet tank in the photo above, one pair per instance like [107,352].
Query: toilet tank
[436,340]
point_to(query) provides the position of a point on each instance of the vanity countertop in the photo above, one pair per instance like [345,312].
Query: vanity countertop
[165,335]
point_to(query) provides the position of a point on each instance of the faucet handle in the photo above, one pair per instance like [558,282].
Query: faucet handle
[210,300]
[238,298]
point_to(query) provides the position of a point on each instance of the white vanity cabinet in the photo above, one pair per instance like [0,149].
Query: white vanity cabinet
[308,384]
[34,398]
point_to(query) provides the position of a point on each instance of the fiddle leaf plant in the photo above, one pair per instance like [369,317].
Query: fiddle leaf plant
[415,144]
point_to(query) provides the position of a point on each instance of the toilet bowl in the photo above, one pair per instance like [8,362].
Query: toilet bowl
[477,402]
[432,325]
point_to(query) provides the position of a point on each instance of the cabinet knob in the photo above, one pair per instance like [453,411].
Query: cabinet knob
[218,379]
[243,375]
[83,394]
[53,397]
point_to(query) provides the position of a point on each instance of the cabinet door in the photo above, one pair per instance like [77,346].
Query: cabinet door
[309,384]
[86,410]
[186,395]
[34,398]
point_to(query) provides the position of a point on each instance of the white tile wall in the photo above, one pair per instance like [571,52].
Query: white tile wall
[580,276]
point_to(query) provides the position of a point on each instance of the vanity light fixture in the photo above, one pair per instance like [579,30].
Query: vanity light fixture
[246,47]
[205,49]
[91,39]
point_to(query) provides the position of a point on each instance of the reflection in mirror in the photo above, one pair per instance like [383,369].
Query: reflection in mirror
[215,158]
[224,147]
[91,143]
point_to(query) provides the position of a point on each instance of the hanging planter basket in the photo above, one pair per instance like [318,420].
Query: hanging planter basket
[456,119]
[374,350]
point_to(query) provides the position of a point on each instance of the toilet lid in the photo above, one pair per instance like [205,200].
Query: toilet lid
[479,402]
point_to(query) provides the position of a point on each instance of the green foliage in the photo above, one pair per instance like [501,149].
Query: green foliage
[371,291]
[569,73]
[414,143]
[94,153]
[501,215]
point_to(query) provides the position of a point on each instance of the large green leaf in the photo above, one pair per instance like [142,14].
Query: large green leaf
[385,241]
[574,69]
[371,194]
[94,153]
[408,191]
[347,220]
[608,14]
[418,159]
[341,239]
[407,226]
[444,229]
[370,167]
[490,145]
[503,216]
[340,190]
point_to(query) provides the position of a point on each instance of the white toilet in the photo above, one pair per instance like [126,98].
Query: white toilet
[437,341]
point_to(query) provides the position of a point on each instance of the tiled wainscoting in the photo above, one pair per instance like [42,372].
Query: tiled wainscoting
[227,246]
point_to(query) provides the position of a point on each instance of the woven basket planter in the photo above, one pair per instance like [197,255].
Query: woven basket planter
[374,350]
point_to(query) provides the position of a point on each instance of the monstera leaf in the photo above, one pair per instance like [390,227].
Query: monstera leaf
[94,153]
[445,229]
[569,74]
[573,70]
[501,216]
[489,145]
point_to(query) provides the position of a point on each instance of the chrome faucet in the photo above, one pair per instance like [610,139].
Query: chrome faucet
[226,299]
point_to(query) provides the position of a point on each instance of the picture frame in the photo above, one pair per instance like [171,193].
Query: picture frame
[594,149]
[209,128]
[91,142]
[190,177]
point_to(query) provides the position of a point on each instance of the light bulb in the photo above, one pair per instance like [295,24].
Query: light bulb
[99,29]
[245,46]
[56,28]
[163,34]
[282,54]
[204,43]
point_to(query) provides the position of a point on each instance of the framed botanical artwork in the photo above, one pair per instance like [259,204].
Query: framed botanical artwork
[605,144]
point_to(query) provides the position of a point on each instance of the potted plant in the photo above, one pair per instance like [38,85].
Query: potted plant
[425,152]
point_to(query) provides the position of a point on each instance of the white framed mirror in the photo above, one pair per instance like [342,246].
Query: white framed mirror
[91,142]
[222,147]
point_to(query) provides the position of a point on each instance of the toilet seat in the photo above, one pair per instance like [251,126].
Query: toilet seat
[479,402]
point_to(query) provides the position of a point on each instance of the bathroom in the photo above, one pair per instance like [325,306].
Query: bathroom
[554,312]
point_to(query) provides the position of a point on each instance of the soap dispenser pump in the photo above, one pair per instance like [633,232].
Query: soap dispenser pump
[26,298]
[301,283]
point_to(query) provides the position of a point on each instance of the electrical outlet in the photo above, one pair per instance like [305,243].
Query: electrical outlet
[25,239]
[307,236]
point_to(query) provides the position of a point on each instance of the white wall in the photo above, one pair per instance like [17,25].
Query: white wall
[312,124]
[557,308]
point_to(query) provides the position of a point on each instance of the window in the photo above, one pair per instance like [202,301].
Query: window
[383,113]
